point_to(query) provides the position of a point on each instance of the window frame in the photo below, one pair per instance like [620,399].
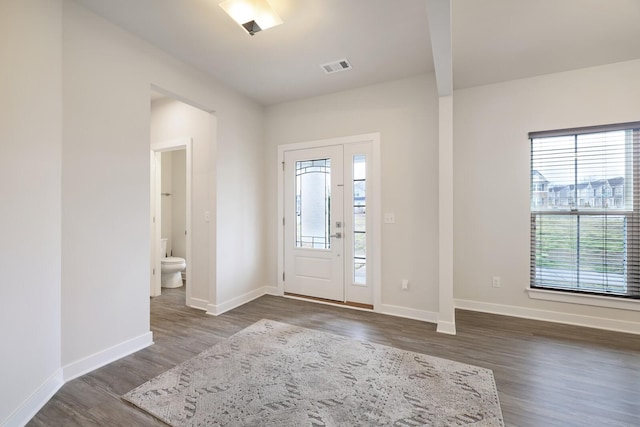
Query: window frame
[631,212]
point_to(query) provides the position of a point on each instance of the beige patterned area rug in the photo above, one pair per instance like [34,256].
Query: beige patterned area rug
[274,374]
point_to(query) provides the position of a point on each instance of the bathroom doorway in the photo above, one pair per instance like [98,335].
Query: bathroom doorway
[175,124]
[171,172]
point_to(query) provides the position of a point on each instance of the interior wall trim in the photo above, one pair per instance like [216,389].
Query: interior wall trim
[407,313]
[97,360]
[272,290]
[30,407]
[445,327]
[585,299]
[551,316]
[218,309]
[200,304]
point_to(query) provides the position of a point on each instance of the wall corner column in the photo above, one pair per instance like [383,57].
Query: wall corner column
[439,15]
[446,315]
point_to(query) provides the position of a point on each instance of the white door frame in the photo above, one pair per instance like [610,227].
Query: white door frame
[376,240]
[156,148]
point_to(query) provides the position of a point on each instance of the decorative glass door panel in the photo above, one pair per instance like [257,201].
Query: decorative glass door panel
[313,203]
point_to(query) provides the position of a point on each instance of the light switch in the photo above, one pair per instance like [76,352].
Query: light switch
[389,218]
[207,216]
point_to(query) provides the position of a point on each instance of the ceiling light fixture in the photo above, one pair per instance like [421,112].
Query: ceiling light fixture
[252,15]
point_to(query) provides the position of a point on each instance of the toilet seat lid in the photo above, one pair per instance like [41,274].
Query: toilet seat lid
[172,260]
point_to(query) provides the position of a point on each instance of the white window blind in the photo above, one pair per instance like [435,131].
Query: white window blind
[585,199]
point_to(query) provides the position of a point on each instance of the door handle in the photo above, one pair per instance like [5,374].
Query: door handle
[338,235]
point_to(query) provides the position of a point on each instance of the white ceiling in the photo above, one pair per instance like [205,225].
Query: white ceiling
[499,40]
[383,40]
[493,40]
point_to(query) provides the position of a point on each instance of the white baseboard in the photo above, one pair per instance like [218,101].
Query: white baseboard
[218,309]
[200,304]
[409,313]
[550,316]
[272,290]
[30,407]
[104,357]
[446,327]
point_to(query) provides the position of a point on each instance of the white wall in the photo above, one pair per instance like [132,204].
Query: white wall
[405,112]
[171,120]
[241,205]
[491,179]
[108,75]
[30,144]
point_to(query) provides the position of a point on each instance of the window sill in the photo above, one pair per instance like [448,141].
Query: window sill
[594,300]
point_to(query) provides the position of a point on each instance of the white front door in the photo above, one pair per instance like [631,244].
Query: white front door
[313,222]
[326,194]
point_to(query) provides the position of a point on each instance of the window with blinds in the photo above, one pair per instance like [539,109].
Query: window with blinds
[585,206]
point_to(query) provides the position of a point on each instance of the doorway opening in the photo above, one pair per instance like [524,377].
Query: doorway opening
[171,211]
[179,125]
[329,202]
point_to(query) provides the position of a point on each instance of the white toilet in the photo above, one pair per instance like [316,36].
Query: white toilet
[171,268]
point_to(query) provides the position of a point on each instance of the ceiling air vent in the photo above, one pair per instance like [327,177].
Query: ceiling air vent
[334,67]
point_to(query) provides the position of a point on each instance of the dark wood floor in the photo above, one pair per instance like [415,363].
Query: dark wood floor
[546,374]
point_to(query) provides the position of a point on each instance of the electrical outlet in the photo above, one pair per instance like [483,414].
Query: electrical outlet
[405,284]
[496,281]
[389,218]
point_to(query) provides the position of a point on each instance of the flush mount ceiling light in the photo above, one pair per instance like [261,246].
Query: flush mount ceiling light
[252,15]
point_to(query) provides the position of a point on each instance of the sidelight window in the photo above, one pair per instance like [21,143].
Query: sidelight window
[359,220]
